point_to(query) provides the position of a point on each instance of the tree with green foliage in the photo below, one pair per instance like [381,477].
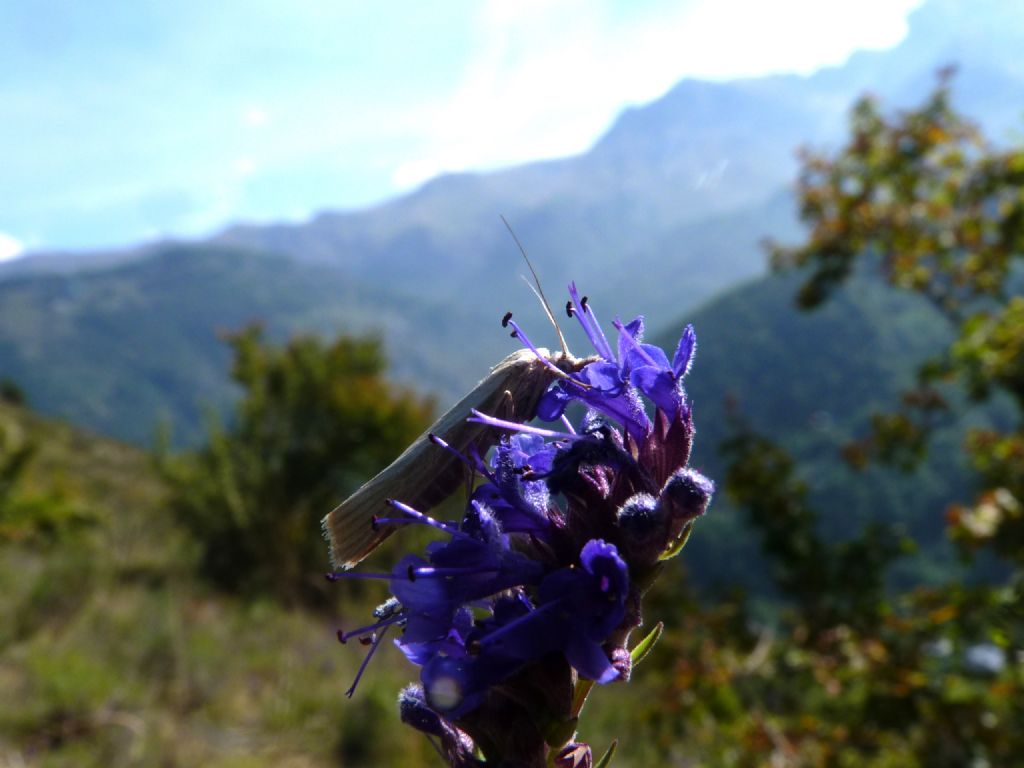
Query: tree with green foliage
[932,677]
[924,199]
[314,421]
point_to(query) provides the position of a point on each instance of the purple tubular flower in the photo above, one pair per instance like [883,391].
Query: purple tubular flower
[457,682]
[472,566]
[577,610]
[613,383]
[519,503]
[600,386]
[648,368]
[594,599]
[540,583]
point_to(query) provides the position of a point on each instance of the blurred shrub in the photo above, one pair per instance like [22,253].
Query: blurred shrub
[315,420]
[28,515]
[11,393]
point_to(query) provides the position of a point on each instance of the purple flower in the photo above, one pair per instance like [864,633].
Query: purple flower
[540,582]
[518,500]
[649,370]
[474,564]
[612,384]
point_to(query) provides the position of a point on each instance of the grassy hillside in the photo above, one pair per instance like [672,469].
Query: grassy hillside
[112,654]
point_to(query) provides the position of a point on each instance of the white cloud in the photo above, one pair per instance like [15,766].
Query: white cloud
[732,38]
[415,172]
[549,76]
[255,116]
[244,166]
[10,247]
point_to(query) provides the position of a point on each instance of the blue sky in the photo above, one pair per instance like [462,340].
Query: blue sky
[129,120]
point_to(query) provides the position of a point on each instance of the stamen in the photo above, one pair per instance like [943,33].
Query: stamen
[432,571]
[344,637]
[344,575]
[517,333]
[416,514]
[590,325]
[569,308]
[400,521]
[474,462]
[366,661]
[515,426]
[634,343]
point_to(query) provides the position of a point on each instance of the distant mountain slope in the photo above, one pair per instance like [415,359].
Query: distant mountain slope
[703,152]
[117,349]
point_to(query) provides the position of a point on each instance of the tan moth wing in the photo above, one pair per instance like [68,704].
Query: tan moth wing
[426,474]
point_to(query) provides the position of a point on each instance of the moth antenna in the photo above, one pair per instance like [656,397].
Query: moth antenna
[538,291]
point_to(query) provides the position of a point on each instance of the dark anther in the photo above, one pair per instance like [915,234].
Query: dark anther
[374,523]
[514,334]
[583,303]
[366,640]
[341,637]
[505,319]
[569,310]
[411,573]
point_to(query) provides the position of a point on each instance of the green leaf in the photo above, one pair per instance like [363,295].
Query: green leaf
[644,647]
[606,758]
[676,546]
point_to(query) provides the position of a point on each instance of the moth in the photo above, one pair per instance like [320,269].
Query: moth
[426,474]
